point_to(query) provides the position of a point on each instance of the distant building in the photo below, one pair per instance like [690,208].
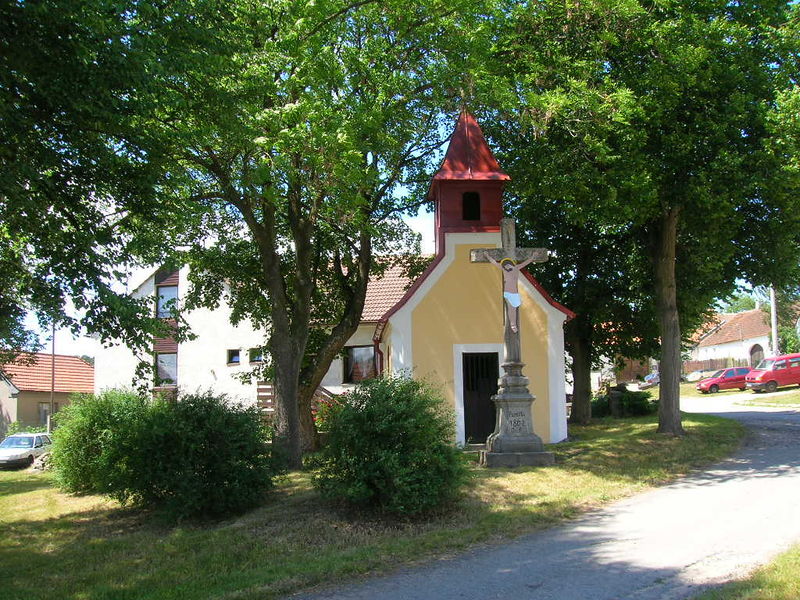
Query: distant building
[732,339]
[25,388]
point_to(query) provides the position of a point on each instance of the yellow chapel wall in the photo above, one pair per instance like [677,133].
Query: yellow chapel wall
[465,306]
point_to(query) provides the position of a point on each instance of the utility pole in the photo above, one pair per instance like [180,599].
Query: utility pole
[52,379]
[773,314]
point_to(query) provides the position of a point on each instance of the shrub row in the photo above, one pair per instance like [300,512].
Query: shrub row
[631,404]
[198,456]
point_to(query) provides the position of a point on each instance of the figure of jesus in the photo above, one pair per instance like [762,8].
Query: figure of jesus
[510,285]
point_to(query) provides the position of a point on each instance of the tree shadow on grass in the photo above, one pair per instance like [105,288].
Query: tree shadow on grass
[21,485]
[38,557]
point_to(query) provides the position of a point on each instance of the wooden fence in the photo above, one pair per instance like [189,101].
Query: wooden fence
[714,364]
[265,396]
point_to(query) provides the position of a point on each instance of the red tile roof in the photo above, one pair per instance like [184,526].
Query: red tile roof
[737,326]
[72,374]
[383,293]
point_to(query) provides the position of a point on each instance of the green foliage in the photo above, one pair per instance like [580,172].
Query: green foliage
[17,427]
[195,457]
[788,340]
[631,404]
[634,130]
[86,428]
[390,447]
[76,179]
[297,166]
[326,412]
[739,302]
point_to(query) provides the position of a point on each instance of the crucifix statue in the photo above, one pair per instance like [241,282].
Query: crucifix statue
[513,442]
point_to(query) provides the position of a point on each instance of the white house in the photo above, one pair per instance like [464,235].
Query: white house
[742,337]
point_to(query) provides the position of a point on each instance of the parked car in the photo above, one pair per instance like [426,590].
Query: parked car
[724,379]
[20,449]
[650,380]
[772,373]
[701,374]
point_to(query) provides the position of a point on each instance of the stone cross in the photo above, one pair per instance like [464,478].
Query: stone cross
[513,442]
[509,249]
[519,256]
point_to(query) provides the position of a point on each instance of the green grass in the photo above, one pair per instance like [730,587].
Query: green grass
[688,389]
[779,580]
[783,397]
[89,548]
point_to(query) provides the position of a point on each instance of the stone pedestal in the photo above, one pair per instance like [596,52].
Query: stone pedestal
[514,443]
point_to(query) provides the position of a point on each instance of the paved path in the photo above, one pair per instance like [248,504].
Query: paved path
[667,543]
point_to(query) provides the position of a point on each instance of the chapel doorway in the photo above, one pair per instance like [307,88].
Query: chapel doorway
[480,384]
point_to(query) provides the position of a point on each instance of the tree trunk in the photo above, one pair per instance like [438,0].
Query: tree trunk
[669,414]
[580,351]
[287,413]
[309,441]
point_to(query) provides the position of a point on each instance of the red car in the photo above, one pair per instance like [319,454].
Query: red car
[772,373]
[724,379]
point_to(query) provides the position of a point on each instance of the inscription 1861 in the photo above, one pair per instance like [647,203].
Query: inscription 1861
[517,421]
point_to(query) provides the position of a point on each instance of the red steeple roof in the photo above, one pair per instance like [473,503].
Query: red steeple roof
[468,155]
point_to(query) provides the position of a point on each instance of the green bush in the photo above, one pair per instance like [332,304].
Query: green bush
[17,427]
[390,447]
[325,412]
[600,406]
[87,430]
[632,404]
[195,457]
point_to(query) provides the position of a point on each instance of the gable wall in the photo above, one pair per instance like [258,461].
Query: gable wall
[462,306]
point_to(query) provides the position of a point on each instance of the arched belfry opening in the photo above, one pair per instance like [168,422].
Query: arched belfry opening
[467,190]
[471,206]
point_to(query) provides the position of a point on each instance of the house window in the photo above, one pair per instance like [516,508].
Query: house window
[166,368]
[359,363]
[471,206]
[234,357]
[256,355]
[167,302]
[44,411]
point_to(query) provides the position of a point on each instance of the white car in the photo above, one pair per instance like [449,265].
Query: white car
[20,449]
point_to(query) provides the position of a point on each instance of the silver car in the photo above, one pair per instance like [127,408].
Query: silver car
[20,449]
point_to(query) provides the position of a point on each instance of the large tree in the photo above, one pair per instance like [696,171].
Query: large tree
[291,127]
[555,135]
[74,182]
[672,105]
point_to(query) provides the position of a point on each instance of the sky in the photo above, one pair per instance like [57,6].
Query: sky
[66,343]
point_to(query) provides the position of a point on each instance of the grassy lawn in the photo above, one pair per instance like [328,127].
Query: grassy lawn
[90,548]
[784,396]
[779,580]
[789,396]
[687,389]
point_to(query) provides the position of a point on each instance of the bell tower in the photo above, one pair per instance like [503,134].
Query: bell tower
[467,190]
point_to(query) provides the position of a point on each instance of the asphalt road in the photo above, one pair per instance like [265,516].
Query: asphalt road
[668,543]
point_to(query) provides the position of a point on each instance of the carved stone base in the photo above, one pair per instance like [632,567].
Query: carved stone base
[514,428]
[516,459]
[513,443]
